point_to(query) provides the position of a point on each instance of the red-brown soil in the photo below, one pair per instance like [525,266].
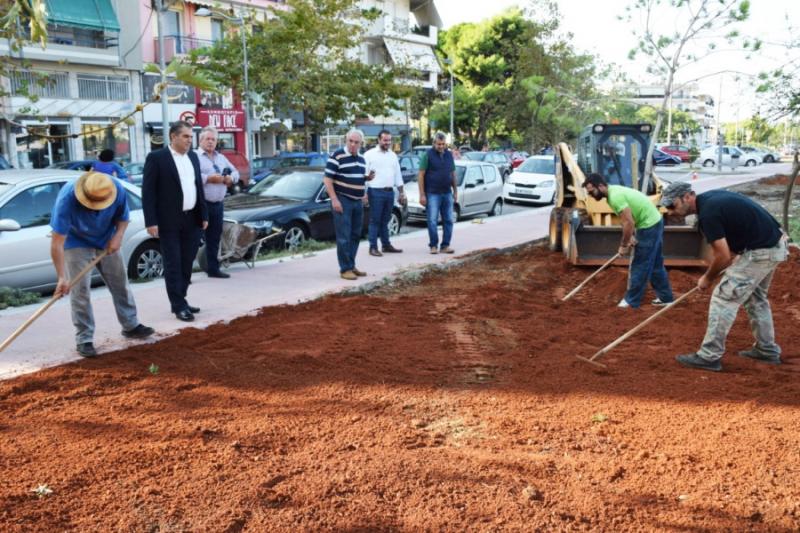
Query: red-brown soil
[779,179]
[455,404]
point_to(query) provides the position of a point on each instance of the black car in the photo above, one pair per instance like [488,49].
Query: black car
[294,200]
[498,159]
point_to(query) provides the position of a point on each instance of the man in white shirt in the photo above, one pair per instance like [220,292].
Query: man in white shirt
[175,212]
[380,193]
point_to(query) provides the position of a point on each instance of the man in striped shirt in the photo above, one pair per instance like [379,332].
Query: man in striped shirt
[345,178]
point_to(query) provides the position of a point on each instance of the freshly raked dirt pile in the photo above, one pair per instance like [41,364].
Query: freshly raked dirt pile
[453,404]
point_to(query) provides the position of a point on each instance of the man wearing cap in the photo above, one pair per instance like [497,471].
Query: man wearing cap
[642,230]
[747,242]
[175,212]
[91,215]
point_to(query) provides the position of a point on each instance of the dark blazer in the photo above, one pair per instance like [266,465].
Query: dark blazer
[162,196]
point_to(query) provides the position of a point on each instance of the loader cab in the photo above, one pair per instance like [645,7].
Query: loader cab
[617,151]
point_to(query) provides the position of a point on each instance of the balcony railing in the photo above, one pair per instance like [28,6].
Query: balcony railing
[91,87]
[67,36]
[41,84]
[181,45]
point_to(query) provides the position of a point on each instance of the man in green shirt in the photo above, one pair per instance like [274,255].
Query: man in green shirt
[642,230]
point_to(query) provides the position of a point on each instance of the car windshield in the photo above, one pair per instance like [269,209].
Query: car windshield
[476,156]
[261,164]
[292,186]
[538,166]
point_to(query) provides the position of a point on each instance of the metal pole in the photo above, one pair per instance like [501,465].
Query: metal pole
[719,127]
[669,120]
[162,65]
[452,107]
[246,104]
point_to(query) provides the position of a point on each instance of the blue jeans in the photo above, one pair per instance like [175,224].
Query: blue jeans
[213,234]
[440,204]
[380,212]
[648,265]
[348,225]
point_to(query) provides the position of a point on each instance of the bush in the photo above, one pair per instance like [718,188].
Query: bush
[794,229]
[15,297]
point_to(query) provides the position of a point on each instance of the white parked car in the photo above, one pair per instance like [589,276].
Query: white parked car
[480,191]
[731,157]
[26,202]
[534,181]
[766,155]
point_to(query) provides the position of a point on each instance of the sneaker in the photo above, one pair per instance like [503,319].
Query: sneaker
[446,250]
[434,250]
[658,303]
[692,360]
[375,252]
[391,250]
[623,304]
[359,273]
[758,356]
[86,349]
[139,332]
[349,275]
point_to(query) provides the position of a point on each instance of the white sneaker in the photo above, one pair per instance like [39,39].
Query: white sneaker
[658,303]
[623,304]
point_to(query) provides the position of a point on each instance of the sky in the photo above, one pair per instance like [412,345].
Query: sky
[595,29]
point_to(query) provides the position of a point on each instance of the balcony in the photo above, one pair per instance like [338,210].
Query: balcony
[398,28]
[180,45]
[73,45]
[91,87]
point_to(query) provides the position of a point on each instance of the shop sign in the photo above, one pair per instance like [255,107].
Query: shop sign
[222,119]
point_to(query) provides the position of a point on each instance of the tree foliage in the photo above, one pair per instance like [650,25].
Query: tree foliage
[306,59]
[22,22]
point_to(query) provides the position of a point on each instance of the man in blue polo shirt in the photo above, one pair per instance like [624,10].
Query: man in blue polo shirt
[345,179]
[89,215]
[438,192]
[748,244]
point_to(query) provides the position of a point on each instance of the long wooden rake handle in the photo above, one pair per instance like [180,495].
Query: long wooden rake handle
[637,328]
[39,312]
[574,291]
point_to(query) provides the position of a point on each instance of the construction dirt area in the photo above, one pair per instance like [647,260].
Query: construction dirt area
[453,401]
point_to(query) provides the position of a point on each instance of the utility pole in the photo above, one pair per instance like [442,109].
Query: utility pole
[669,119]
[719,126]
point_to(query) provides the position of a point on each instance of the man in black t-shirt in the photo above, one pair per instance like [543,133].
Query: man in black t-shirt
[747,242]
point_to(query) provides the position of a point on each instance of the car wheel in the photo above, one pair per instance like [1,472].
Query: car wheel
[708,163]
[769,159]
[296,235]
[497,208]
[750,163]
[146,262]
[394,223]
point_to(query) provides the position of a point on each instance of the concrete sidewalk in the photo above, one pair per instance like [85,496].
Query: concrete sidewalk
[50,340]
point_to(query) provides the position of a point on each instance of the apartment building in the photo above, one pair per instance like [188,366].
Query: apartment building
[688,98]
[86,78]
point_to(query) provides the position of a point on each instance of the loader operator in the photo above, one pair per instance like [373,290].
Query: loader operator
[643,231]
[734,225]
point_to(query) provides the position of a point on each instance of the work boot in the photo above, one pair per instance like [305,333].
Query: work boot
[692,360]
[375,252]
[86,349]
[139,332]
[754,354]
[359,273]
[391,250]
[349,275]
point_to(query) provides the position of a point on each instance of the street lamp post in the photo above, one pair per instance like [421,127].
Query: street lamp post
[449,63]
[162,65]
[205,12]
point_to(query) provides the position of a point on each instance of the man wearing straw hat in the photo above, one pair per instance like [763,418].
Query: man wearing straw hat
[91,215]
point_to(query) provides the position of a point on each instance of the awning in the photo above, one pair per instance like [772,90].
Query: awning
[90,14]
[412,55]
[426,13]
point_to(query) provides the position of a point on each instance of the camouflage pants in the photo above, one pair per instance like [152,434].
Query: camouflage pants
[745,282]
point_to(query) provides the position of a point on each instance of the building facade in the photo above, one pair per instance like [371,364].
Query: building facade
[688,98]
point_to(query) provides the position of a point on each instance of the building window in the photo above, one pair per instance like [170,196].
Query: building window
[217,33]
[97,137]
[41,84]
[91,87]
[34,151]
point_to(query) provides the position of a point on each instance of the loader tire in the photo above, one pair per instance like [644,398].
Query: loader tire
[566,234]
[554,230]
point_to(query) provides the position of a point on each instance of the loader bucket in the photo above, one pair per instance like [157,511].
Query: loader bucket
[594,245]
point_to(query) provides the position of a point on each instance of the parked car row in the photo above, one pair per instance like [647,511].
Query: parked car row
[730,156]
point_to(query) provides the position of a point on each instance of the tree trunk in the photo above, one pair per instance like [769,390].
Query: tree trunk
[787,197]
[648,162]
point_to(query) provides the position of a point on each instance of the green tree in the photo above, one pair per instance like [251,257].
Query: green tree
[23,22]
[304,59]
[702,24]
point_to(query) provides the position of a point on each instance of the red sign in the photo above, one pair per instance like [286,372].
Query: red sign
[222,119]
[188,116]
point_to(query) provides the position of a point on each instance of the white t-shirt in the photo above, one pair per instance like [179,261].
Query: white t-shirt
[186,173]
[386,167]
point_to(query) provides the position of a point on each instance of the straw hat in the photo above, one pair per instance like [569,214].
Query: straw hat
[95,190]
